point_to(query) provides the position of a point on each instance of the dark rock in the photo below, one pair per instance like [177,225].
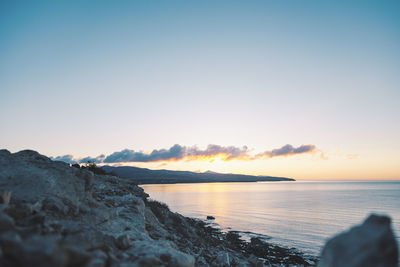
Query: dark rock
[56,205]
[76,165]
[258,247]
[234,240]
[123,242]
[6,223]
[254,261]
[222,259]
[77,257]
[99,259]
[210,217]
[370,244]
[19,210]
[10,243]
[201,261]
[42,251]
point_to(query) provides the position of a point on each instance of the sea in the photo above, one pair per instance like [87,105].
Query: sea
[299,214]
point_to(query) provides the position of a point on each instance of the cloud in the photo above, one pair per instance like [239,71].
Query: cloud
[70,159]
[225,152]
[175,153]
[66,158]
[179,153]
[287,150]
[98,159]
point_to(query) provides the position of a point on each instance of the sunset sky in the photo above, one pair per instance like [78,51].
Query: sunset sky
[302,89]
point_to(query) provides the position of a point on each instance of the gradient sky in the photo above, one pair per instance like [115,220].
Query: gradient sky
[95,77]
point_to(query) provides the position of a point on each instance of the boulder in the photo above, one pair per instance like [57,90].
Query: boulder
[370,244]
[123,242]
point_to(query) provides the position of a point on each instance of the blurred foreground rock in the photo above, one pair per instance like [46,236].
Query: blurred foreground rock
[370,244]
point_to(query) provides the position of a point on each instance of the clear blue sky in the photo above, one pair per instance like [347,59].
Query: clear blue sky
[95,77]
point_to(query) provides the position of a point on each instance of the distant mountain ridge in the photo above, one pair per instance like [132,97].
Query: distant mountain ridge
[147,176]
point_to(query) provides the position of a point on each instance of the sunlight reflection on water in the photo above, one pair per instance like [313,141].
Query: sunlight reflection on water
[294,214]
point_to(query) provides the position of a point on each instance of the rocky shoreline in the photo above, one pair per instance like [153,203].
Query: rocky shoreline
[54,214]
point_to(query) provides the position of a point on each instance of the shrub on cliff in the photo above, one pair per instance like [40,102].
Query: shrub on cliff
[158,208]
[91,166]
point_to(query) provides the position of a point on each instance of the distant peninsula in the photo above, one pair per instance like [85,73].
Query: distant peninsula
[147,176]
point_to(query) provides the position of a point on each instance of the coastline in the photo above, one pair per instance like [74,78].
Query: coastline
[218,248]
[266,251]
[146,176]
[212,182]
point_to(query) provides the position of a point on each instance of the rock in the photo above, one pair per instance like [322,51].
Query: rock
[99,259]
[36,207]
[42,251]
[6,223]
[223,259]
[370,244]
[10,243]
[123,242]
[254,261]
[210,217]
[77,257]
[201,261]
[32,177]
[19,210]
[160,253]
[96,263]
[55,205]
[153,226]
[88,178]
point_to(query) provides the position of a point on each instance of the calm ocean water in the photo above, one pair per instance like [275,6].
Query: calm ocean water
[294,214]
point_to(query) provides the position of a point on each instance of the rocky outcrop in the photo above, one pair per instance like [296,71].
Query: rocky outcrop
[370,244]
[61,215]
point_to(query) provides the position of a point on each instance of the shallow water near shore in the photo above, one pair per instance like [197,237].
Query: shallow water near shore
[293,214]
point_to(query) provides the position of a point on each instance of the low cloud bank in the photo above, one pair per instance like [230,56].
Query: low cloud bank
[179,153]
[70,159]
[66,158]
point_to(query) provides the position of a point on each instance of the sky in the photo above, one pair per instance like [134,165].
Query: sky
[302,89]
